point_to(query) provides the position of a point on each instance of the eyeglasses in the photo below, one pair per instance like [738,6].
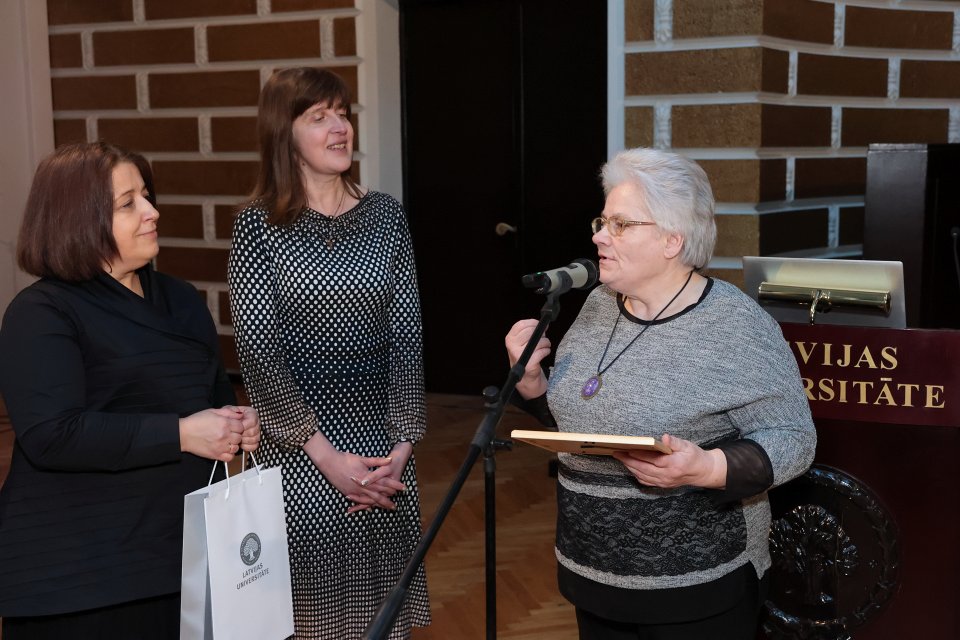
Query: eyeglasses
[615,224]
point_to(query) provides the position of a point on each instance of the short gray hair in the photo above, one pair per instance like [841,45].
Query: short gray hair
[677,193]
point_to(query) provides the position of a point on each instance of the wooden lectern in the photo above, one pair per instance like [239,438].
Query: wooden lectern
[867,544]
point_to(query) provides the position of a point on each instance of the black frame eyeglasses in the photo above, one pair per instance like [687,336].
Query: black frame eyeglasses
[615,224]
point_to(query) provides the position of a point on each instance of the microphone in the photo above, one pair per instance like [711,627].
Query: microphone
[579,274]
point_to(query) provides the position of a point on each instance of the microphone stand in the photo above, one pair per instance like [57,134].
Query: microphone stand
[483,441]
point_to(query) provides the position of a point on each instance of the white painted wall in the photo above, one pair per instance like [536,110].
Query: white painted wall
[26,123]
[615,77]
[378,45]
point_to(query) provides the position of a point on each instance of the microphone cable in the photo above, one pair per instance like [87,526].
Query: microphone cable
[955,233]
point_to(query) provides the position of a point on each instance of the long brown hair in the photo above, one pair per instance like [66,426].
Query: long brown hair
[67,228]
[285,96]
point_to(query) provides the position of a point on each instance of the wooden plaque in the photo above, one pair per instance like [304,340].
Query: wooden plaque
[591,443]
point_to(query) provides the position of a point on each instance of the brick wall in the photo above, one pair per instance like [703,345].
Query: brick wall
[178,80]
[779,99]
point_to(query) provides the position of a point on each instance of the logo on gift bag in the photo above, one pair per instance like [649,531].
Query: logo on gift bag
[250,549]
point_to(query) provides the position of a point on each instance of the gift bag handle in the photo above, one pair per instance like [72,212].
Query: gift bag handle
[226,471]
[256,465]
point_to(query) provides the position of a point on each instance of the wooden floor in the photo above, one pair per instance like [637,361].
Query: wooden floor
[528,604]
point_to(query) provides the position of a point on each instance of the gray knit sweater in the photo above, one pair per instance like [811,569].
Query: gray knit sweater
[720,369]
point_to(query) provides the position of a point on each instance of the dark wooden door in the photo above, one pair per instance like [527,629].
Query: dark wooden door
[504,111]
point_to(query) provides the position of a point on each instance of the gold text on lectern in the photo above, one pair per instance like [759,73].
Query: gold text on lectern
[867,386]
[845,355]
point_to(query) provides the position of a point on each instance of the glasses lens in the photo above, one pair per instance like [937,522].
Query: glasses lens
[596,224]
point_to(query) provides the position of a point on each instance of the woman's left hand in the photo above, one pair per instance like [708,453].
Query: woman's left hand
[250,420]
[386,479]
[688,465]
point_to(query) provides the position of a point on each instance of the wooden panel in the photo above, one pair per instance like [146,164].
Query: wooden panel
[912,208]
[912,469]
[905,455]
[893,376]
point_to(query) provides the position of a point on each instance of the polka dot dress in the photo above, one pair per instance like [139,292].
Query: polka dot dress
[327,321]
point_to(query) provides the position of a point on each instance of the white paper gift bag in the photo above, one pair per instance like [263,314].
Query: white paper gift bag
[236,566]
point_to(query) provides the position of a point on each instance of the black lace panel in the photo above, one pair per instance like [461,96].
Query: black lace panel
[666,536]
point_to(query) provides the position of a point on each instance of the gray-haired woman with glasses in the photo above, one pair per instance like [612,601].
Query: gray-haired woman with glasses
[655,545]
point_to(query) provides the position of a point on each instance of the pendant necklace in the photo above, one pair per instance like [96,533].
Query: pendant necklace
[332,219]
[592,386]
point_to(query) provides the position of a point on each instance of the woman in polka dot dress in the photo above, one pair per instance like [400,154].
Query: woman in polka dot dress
[327,317]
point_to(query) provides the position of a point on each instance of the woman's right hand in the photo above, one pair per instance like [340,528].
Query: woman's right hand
[215,434]
[534,382]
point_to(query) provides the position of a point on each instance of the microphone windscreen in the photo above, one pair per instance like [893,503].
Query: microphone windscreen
[591,274]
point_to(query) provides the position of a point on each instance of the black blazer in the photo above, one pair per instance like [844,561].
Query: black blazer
[95,379]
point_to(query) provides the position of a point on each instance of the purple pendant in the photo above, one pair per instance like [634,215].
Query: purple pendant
[591,388]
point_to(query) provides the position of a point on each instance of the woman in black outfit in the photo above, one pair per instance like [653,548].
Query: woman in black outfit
[119,404]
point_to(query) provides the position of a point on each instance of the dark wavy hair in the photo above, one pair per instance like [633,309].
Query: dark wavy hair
[284,98]
[67,228]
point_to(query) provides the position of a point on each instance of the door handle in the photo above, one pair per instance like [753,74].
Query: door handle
[503,229]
